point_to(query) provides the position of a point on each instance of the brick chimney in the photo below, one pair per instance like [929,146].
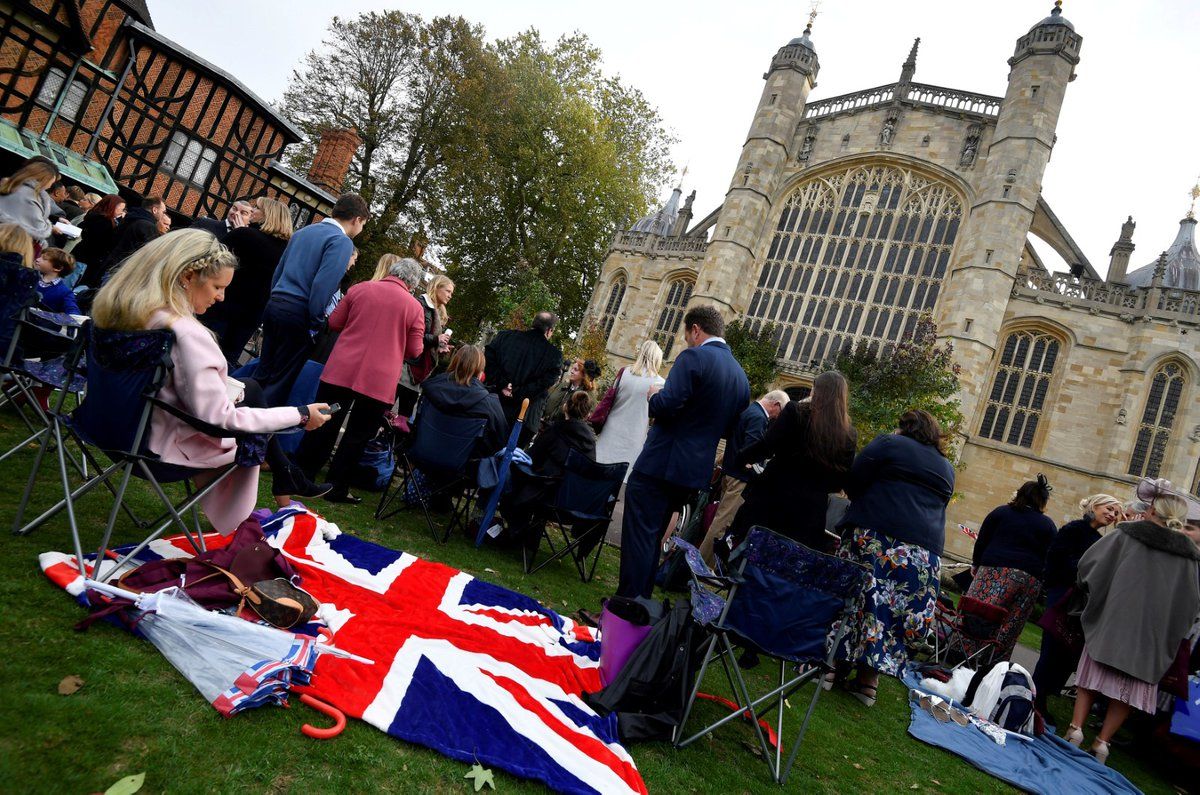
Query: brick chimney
[334,152]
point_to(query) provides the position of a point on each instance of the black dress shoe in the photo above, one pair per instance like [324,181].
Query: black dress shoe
[342,496]
[587,617]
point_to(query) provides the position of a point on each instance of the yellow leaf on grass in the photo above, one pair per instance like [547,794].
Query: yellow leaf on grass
[69,685]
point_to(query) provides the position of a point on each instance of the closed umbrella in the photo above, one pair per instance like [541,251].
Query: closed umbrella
[234,663]
[501,474]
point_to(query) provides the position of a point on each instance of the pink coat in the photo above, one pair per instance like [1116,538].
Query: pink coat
[197,385]
[381,325]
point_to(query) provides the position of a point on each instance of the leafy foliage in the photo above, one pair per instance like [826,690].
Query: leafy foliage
[555,156]
[590,343]
[916,373]
[756,352]
[519,151]
[398,81]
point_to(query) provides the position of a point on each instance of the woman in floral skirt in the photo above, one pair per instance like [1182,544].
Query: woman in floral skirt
[1009,561]
[899,487]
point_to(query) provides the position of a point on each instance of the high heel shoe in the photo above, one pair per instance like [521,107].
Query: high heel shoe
[1074,735]
[1100,751]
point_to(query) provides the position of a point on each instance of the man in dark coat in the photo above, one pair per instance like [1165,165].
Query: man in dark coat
[751,426]
[700,403]
[238,216]
[138,228]
[524,364]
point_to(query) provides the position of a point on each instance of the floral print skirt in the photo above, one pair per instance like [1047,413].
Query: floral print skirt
[895,610]
[1009,589]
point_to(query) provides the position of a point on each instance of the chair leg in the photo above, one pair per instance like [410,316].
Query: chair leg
[782,776]
[691,702]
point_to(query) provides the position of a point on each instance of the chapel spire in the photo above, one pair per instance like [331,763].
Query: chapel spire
[910,66]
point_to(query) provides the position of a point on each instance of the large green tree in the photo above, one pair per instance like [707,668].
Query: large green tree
[553,155]
[756,352]
[918,372]
[398,81]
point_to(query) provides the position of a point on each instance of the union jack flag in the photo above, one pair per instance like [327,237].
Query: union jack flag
[462,666]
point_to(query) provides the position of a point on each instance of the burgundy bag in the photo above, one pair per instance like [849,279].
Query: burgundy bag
[1061,624]
[599,414]
[1175,680]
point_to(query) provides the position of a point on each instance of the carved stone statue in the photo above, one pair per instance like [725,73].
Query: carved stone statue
[970,147]
[806,148]
[889,129]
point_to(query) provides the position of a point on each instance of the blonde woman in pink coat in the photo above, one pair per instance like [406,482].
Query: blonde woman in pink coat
[166,284]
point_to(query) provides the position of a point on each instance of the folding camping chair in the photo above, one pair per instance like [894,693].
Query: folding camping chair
[581,511]
[968,633]
[125,370]
[782,600]
[60,374]
[437,461]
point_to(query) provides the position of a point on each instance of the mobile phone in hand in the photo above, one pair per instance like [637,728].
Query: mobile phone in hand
[333,409]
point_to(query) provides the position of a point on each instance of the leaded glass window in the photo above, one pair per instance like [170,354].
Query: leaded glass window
[189,158]
[1015,403]
[679,292]
[52,86]
[1158,420]
[855,254]
[613,305]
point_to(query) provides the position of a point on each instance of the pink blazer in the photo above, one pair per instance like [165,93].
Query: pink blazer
[381,325]
[197,385]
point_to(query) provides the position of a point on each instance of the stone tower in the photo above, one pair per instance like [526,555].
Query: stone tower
[993,238]
[729,270]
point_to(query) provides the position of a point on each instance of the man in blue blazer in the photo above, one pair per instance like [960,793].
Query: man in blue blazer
[699,405]
[307,276]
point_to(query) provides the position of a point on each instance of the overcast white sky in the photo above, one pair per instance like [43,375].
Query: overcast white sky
[1126,138]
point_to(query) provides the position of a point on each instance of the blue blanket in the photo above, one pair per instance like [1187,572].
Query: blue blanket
[1046,764]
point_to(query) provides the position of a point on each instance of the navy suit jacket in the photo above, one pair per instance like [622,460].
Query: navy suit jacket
[699,405]
[751,425]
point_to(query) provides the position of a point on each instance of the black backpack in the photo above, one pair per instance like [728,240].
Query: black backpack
[650,692]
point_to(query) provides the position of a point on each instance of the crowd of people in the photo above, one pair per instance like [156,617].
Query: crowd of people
[793,466]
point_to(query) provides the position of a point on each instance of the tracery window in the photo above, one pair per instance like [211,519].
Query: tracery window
[1158,420]
[611,307]
[679,291]
[859,253]
[1018,394]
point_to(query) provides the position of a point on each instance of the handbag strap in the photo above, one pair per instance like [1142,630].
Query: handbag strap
[240,588]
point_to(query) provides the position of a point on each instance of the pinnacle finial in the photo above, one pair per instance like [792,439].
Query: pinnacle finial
[909,67]
[812,16]
[1057,10]
[1195,194]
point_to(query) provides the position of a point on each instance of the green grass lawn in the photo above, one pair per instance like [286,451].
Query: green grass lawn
[136,713]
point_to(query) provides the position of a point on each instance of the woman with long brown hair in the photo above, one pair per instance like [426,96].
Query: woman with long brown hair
[25,202]
[899,487]
[811,447]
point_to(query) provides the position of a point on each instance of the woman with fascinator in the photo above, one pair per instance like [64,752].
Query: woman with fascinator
[1010,559]
[1142,583]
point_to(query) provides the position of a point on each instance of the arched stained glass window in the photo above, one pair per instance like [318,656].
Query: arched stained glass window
[1015,403]
[859,253]
[679,291]
[1158,420]
[613,305]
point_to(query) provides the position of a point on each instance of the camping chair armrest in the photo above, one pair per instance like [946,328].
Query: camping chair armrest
[700,570]
[207,427]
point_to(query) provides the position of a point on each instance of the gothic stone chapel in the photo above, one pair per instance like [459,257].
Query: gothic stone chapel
[849,217]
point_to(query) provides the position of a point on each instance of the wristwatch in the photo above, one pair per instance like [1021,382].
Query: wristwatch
[305,414]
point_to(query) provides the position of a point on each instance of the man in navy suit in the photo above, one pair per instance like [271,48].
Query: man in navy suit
[700,404]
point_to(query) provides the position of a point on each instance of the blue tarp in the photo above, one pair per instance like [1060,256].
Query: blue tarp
[1046,764]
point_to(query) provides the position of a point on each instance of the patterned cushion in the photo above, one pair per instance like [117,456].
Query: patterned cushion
[706,605]
[794,562]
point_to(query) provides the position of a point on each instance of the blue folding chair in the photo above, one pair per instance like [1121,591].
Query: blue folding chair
[581,510]
[438,460]
[782,601]
[125,371]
